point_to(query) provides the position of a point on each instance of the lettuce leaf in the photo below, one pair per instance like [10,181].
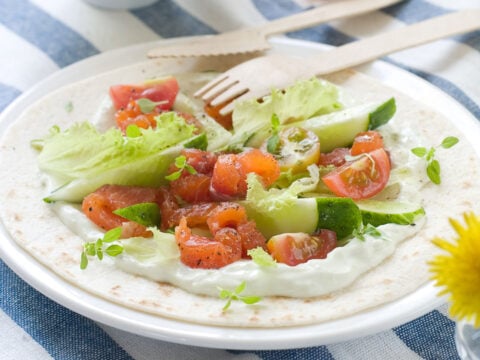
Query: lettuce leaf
[281,210]
[159,248]
[273,199]
[81,159]
[82,151]
[252,119]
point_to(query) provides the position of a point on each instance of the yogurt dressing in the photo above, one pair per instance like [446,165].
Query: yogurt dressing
[313,278]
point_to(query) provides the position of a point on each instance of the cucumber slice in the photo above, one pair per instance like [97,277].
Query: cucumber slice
[382,114]
[341,215]
[338,129]
[298,216]
[377,212]
[307,215]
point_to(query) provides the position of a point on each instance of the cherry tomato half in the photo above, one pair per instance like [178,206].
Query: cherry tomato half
[294,148]
[296,248]
[165,89]
[361,178]
[366,141]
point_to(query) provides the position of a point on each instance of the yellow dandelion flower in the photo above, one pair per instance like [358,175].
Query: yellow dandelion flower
[458,269]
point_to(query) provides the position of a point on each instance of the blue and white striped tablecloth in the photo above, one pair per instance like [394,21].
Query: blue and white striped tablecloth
[40,37]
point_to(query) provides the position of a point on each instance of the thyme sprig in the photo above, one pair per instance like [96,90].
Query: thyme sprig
[98,249]
[433,165]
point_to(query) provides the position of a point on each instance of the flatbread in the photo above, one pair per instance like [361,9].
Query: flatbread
[36,228]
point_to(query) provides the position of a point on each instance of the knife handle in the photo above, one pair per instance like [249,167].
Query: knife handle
[321,14]
[374,47]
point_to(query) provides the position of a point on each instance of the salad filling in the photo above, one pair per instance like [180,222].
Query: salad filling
[297,194]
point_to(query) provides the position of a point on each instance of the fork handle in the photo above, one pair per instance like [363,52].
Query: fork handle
[374,47]
[322,14]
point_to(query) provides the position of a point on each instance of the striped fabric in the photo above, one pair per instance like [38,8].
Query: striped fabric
[40,37]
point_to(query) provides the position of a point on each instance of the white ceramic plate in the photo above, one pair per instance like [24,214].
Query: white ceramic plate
[385,317]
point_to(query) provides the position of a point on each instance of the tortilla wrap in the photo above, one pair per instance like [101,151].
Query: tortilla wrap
[37,229]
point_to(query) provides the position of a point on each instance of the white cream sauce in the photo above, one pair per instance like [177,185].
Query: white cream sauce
[314,278]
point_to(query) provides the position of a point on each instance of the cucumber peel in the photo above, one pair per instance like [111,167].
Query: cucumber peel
[338,214]
[376,212]
[338,129]
[308,215]
[341,215]
[382,114]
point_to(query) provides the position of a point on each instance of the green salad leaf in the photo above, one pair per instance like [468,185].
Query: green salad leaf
[261,257]
[158,248]
[82,151]
[298,102]
[83,159]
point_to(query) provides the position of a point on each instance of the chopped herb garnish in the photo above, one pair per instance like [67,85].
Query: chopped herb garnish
[236,295]
[433,165]
[146,214]
[181,164]
[369,229]
[97,248]
[147,105]
[200,142]
[273,142]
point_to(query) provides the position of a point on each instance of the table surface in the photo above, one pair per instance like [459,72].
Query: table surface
[40,37]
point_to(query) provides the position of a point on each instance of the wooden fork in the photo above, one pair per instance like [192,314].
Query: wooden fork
[255,78]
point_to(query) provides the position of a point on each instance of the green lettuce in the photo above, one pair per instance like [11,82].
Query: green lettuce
[281,210]
[252,119]
[82,151]
[82,159]
[159,248]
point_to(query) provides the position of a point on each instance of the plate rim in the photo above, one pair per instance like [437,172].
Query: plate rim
[94,307]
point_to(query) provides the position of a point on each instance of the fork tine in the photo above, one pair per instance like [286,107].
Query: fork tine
[228,108]
[211,84]
[218,89]
[233,92]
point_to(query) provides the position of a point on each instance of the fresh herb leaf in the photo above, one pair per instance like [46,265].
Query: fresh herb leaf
[146,214]
[249,300]
[96,248]
[69,107]
[369,230]
[419,151]
[449,141]
[433,165]
[433,171]
[235,295]
[83,261]
[200,142]
[147,105]
[261,257]
[273,142]
[112,235]
[181,164]
[114,250]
